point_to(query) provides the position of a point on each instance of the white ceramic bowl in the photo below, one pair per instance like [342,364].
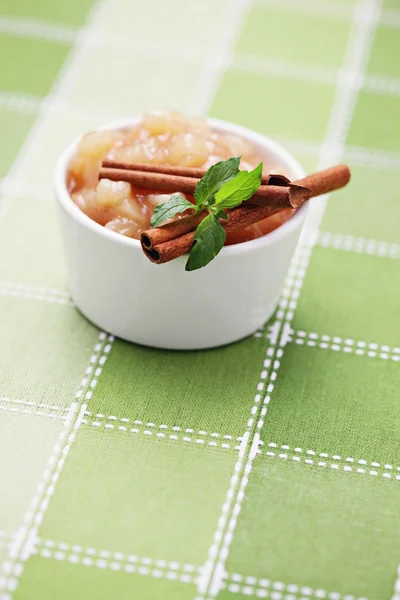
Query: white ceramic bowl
[116,287]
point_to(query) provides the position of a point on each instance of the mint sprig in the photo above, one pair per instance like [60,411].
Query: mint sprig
[222,187]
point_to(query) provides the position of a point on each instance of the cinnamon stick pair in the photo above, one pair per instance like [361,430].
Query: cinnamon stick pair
[175,239]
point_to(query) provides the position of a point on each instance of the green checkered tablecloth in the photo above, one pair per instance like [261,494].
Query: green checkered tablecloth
[266,469]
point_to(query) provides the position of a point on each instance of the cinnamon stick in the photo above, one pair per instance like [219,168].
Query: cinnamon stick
[162,253]
[195,172]
[171,231]
[151,180]
[171,248]
[321,182]
[266,195]
[327,180]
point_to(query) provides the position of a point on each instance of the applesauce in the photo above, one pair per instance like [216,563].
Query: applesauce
[161,137]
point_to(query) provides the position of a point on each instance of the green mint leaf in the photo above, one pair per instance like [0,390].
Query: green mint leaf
[210,238]
[218,212]
[214,178]
[239,189]
[166,210]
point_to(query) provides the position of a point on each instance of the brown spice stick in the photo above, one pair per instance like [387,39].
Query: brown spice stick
[327,180]
[239,217]
[171,231]
[266,195]
[290,196]
[162,253]
[321,182]
[151,180]
[194,172]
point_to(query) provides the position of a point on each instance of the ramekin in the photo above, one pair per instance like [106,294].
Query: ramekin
[118,289]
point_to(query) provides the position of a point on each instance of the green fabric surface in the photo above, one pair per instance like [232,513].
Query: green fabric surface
[49,342]
[49,578]
[72,12]
[37,225]
[336,403]
[273,105]
[26,439]
[266,469]
[314,526]
[331,304]
[140,380]
[384,56]
[140,479]
[14,128]
[34,65]
[380,210]
[203,34]
[278,33]
[376,122]
[162,78]
[391,4]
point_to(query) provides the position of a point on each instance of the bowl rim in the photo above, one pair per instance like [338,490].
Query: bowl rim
[64,199]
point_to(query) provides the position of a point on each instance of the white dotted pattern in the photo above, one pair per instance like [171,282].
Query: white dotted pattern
[360,245]
[335,461]
[346,345]
[162,435]
[116,561]
[31,294]
[124,424]
[28,407]
[278,590]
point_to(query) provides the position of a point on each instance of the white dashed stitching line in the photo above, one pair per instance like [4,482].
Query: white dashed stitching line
[5,540]
[292,289]
[32,296]
[373,158]
[266,588]
[116,561]
[283,69]
[22,103]
[360,245]
[347,463]
[95,368]
[346,345]
[37,413]
[338,10]
[34,288]
[357,155]
[123,424]
[33,405]
[164,436]
[15,405]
